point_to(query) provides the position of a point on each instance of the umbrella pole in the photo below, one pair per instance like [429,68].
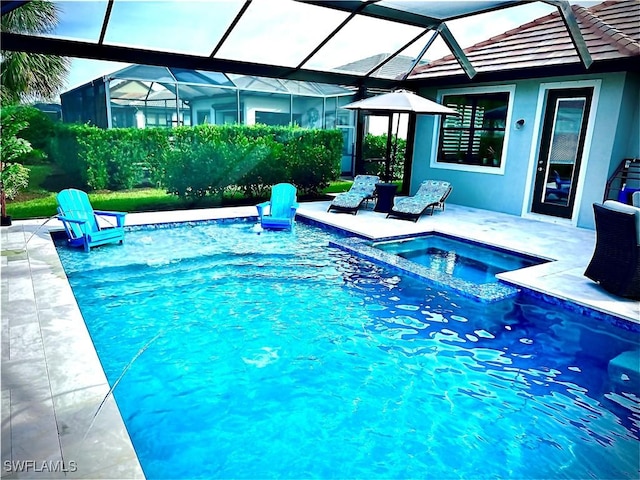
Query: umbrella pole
[395,142]
[387,163]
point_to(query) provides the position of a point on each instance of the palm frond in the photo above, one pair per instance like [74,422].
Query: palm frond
[30,77]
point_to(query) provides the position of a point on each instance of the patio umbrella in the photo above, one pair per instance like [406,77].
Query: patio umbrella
[400,101]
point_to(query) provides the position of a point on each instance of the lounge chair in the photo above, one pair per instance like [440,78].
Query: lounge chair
[82,223]
[361,191]
[279,213]
[561,191]
[560,182]
[615,264]
[431,194]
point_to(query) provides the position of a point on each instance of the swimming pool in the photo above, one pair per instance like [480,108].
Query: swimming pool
[273,355]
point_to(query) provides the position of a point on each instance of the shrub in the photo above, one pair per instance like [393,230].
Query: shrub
[313,158]
[255,158]
[207,159]
[155,143]
[39,129]
[193,162]
[375,146]
[68,153]
[12,147]
[193,159]
[14,176]
[115,159]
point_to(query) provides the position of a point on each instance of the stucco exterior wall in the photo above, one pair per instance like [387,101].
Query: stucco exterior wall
[612,136]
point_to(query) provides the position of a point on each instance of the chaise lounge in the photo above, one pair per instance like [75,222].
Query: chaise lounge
[361,191]
[615,264]
[431,194]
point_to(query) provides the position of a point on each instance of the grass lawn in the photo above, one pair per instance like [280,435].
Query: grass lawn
[39,199]
[137,200]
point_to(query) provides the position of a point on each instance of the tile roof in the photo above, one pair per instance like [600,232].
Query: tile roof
[611,31]
[398,65]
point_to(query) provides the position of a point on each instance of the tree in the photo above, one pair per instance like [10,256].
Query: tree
[13,176]
[26,77]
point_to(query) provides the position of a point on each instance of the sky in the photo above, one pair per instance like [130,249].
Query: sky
[265,34]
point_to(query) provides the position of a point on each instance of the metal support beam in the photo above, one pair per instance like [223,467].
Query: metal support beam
[569,19]
[421,54]
[358,164]
[79,49]
[456,50]
[105,22]
[11,6]
[231,27]
[371,9]
[327,38]
[107,97]
[398,52]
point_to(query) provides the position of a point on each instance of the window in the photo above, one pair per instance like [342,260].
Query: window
[156,119]
[476,136]
[277,118]
[203,117]
[227,113]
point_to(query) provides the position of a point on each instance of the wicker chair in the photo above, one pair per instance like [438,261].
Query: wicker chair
[616,260]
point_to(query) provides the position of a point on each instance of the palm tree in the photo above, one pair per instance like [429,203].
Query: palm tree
[29,77]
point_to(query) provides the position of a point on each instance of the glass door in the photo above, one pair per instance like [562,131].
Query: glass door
[561,146]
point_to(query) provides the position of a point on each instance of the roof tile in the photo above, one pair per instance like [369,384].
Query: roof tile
[611,30]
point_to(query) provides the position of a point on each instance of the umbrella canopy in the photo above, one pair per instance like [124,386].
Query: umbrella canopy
[400,101]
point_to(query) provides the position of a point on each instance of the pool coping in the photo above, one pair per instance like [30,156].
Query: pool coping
[52,381]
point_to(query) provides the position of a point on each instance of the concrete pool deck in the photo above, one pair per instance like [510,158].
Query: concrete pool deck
[54,424]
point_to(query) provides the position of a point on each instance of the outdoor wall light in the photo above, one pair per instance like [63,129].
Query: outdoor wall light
[520,124]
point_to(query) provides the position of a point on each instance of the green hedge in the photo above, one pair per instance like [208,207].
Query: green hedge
[39,130]
[375,146]
[192,162]
[115,159]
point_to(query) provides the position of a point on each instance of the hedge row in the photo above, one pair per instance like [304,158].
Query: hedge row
[375,146]
[38,131]
[196,161]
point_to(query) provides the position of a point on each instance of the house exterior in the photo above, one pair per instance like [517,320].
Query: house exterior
[538,135]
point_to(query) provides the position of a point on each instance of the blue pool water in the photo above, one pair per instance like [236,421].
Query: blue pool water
[275,356]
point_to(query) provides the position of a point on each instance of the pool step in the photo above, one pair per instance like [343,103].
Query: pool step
[625,368]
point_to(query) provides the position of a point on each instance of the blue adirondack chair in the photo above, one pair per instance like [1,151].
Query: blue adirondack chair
[280,211]
[80,221]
